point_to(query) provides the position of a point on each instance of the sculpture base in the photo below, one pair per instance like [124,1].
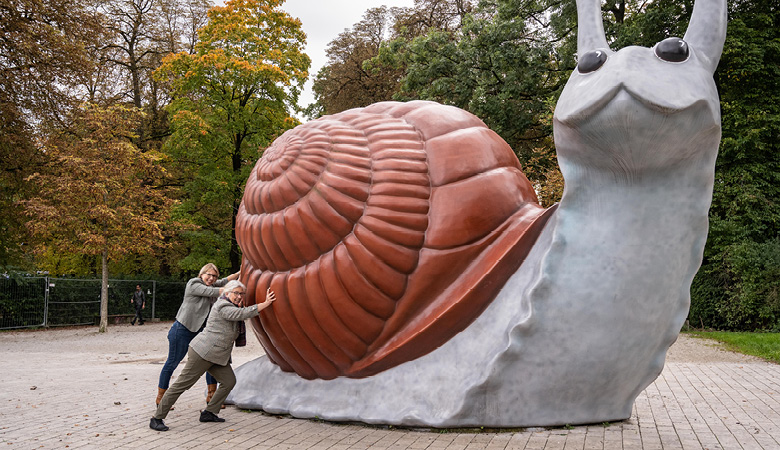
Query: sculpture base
[504,370]
[262,386]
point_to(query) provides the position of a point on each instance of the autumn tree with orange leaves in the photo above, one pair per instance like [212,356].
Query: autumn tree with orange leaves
[232,97]
[94,196]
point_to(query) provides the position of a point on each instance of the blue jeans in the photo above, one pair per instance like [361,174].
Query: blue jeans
[179,338]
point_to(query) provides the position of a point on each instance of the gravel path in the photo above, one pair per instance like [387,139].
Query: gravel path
[149,342]
[77,388]
[693,349]
[122,343]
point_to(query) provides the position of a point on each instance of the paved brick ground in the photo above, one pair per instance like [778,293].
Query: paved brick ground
[78,389]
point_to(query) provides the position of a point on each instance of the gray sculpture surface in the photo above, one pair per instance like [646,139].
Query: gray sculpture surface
[583,326]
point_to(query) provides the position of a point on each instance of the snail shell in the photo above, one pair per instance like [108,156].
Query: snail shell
[384,231]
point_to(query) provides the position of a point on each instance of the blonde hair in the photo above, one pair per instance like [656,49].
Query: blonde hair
[207,267]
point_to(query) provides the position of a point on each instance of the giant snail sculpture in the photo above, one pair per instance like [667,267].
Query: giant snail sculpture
[419,282]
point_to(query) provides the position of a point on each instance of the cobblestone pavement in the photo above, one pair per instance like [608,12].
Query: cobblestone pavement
[78,389]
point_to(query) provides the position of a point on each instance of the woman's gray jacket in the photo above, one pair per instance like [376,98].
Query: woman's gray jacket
[215,342]
[198,299]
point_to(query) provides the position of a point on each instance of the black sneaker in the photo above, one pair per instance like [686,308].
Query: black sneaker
[208,416]
[157,425]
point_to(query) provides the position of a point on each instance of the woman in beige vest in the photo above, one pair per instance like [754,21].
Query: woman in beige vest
[199,295]
[210,351]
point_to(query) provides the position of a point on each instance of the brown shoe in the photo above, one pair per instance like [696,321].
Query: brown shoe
[160,393]
[212,388]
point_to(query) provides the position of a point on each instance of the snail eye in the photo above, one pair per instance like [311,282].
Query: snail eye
[591,61]
[672,49]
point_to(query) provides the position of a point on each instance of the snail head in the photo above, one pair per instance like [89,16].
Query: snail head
[642,107]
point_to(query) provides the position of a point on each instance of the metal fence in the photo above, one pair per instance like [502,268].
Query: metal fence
[27,302]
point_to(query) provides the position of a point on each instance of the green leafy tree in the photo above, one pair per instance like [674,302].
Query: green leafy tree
[232,96]
[93,197]
[738,285]
[355,76]
[505,62]
[741,270]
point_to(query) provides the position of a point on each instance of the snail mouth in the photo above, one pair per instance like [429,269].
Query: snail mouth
[616,100]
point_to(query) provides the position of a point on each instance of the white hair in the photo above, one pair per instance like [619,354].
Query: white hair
[232,285]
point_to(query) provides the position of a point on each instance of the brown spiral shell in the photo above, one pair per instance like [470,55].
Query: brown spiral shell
[384,231]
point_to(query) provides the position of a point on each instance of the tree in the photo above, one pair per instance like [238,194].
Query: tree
[178,22]
[505,62]
[139,34]
[346,81]
[94,196]
[231,97]
[42,51]
[432,15]
[738,284]
[355,76]
[130,21]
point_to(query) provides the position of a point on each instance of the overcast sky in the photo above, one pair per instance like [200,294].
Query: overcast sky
[322,21]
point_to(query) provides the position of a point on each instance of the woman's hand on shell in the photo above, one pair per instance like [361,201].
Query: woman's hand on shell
[270,297]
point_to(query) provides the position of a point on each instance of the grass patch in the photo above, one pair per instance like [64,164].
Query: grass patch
[763,345]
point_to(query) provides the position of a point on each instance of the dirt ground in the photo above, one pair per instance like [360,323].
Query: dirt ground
[122,343]
[77,388]
[126,343]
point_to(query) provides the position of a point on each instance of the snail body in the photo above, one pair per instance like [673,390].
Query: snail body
[524,317]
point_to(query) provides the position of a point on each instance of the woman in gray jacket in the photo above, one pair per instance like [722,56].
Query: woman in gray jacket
[210,351]
[199,295]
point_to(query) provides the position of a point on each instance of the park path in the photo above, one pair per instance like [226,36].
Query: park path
[78,389]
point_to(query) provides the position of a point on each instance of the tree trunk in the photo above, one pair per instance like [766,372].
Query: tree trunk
[104,294]
[235,252]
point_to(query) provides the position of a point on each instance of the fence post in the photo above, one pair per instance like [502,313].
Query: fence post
[46,301]
[154,294]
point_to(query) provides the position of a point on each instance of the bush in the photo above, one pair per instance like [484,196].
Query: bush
[21,302]
[742,292]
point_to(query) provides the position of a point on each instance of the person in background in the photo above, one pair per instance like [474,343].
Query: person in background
[210,351]
[199,295]
[139,301]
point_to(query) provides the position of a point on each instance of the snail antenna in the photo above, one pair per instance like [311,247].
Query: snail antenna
[707,31]
[590,27]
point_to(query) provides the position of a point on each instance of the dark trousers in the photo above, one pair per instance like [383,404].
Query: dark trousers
[179,338]
[138,314]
